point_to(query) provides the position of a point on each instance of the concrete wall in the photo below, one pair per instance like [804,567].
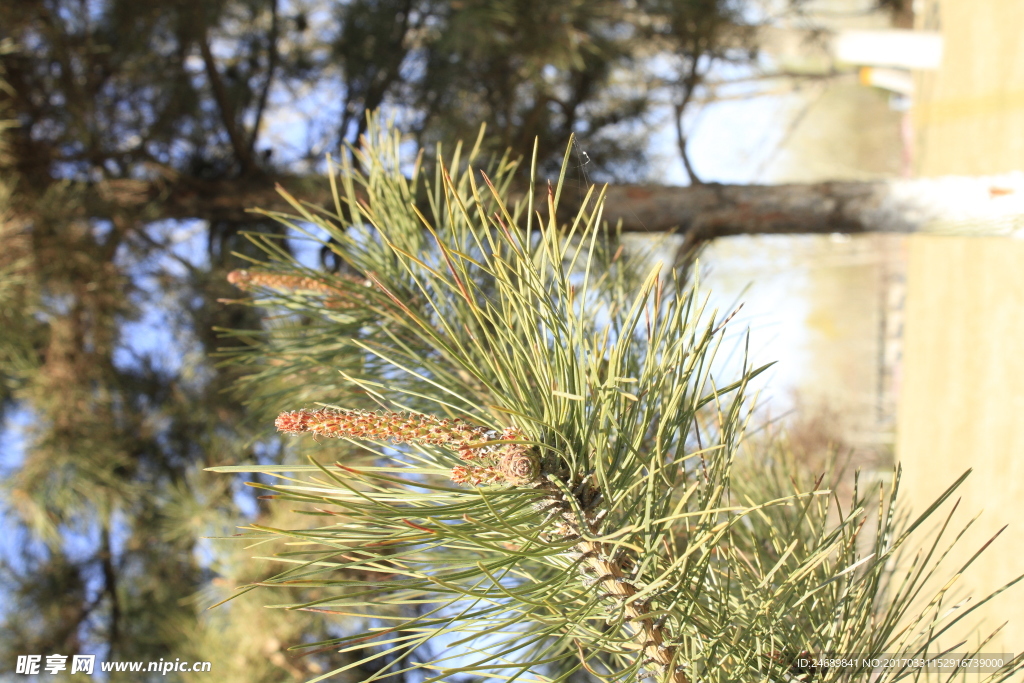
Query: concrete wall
[962,400]
[962,405]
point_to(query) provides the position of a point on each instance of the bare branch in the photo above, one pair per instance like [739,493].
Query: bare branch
[689,84]
[707,211]
[272,58]
[682,142]
[227,113]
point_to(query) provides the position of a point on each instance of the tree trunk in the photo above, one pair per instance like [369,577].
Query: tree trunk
[980,205]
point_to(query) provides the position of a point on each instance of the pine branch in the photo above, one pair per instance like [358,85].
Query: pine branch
[550,453]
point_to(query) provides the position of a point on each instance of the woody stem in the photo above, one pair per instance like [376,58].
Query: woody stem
[649,636]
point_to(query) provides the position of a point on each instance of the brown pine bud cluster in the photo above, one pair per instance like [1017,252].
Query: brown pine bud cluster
[510,463]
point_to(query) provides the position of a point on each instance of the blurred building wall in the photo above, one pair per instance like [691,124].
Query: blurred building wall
[962,406]
[962,400]
[969,113]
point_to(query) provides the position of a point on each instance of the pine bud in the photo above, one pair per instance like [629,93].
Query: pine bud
[519,466]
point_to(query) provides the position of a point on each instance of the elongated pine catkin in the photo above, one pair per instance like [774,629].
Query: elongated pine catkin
[333,296]
[385,426]
[509,463]
[246,279]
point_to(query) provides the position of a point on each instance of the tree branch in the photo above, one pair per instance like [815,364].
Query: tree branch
[110,588]
[681,141]
[689,86]
[385,74]
[272,57]
[227,113]
[706,211]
